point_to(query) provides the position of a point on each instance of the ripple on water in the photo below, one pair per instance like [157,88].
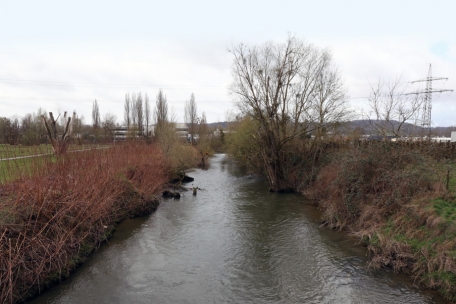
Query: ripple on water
[232,243]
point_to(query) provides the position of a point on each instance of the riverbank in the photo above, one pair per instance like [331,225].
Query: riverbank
[398,201]
[233,243]
[52,221]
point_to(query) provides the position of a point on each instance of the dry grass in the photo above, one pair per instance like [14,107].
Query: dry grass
[360,185]
[395,200]
[50,221]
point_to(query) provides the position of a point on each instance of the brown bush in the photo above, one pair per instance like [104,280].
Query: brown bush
[360,186]
[61,214]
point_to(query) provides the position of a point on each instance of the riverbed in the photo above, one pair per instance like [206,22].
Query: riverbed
[234,242]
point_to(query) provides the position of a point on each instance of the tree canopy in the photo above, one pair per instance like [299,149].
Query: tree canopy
[288,89]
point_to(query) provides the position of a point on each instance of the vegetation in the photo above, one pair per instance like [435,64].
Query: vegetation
[51,220]
[287,90]
[399,198]
[9,151]
[20,162]
[191,117]
[56,210]
[21,168]
[395,199]
[392,108]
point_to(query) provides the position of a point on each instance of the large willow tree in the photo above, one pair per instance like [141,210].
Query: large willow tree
[289,90]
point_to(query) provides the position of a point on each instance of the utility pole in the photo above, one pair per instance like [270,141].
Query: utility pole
[427,104]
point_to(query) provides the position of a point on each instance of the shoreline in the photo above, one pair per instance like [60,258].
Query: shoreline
[88,249]
[400,204]
[53,221]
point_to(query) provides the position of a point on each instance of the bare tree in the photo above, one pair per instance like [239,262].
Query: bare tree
[11,130]
[165,132]
[202,126]
[329,107]
[133,111]
[230,118]
[3,127]
[78,124]
[95,117]
[277,86]
[147,114]
[108,124]
[29,134]
[58,141]
[127,107]
[139,114]
[391,108]
[160,113]
[191,117]
[41,130]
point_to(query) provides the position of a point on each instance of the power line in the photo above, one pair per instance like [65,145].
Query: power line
[90,99]
[94,84]
[427,104]
[85,84]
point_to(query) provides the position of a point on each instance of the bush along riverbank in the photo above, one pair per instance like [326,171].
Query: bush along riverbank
[400,202]
[53,220]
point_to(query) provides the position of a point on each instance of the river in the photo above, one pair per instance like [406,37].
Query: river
[234,242]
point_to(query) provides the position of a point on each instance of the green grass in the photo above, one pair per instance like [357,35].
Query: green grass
[20,168]
[428,238]
[452,183]
[9,151]
[428,242]
[445,209]
[13,169]
[429,233]
[445,278]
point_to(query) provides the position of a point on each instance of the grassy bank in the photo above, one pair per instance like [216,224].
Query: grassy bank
[21,162]
[400,202]
[10,151]
[53,219]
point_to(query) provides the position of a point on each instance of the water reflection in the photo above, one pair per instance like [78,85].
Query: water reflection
[232,243]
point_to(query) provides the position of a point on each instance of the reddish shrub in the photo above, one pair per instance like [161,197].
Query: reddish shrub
[51,221]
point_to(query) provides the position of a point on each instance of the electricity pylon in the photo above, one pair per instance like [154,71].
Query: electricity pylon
[427,104]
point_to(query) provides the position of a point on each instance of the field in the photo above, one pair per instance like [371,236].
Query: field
[19,162]
[11,151]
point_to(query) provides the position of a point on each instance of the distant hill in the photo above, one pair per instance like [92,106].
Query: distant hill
[365,127]
[218,125]
[368,127]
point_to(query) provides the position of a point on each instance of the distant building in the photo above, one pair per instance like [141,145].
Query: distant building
[181,130]
[122,133]
[218,132]
[440,139]
[453,136]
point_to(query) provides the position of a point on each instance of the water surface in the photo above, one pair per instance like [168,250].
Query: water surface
[232,243]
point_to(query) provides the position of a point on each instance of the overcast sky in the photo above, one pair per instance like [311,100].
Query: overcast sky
[61,55]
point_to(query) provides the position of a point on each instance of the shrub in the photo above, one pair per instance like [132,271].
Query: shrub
[52,220]
[373,181]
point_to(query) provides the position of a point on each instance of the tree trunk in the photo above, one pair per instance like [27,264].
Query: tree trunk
[277,180]
[59,143]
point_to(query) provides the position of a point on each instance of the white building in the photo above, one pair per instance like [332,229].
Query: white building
[123,132]
[181,130]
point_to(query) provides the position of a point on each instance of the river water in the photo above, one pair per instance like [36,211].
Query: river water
[234,242]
